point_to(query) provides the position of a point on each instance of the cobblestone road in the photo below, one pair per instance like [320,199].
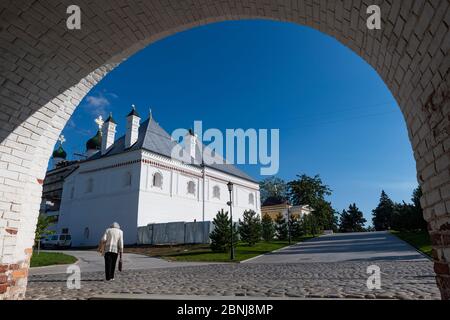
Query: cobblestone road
[399,280]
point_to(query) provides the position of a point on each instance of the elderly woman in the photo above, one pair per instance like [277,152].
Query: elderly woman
[111,246]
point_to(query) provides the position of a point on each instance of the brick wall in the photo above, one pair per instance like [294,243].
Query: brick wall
[46,70]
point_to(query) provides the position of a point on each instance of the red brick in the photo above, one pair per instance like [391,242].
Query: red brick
[22,273]
[14,266]
[436,239]
[3,288]
[3,278]
[441,268]
[446,240]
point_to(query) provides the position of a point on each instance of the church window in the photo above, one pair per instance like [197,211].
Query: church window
[216,192]
[157,180]
[191,187]
[90,185]
[251,199]
[128,179]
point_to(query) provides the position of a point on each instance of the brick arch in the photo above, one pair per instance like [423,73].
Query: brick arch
[45,71]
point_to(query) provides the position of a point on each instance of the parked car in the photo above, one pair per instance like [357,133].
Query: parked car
[57,241]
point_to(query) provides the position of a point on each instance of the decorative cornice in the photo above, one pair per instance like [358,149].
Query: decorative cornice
[178,167]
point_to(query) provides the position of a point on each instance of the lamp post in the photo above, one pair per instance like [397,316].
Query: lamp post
[289,223]
[230,203]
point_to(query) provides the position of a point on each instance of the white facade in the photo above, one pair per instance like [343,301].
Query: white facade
[140,187]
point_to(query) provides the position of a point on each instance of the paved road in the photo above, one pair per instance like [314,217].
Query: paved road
[329,267]
[92,261]
[367,246]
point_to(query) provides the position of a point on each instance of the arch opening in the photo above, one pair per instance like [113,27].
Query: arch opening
[37,105]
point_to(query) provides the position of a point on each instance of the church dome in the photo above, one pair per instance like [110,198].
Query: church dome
[95,143]
[60,153]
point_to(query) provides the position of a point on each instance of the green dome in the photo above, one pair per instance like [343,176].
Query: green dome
[95,143]
[60,153]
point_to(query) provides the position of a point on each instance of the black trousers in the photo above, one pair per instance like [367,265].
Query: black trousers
[110,264]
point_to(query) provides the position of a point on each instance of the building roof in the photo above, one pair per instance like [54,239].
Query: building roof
[111,119]
[155,139]
[133,112]
[273,201]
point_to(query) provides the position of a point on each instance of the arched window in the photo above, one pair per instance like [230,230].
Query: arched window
[216,192]
[128,180]
[157,180]
[251,199]
[191,187]
[90,185]
[86,233]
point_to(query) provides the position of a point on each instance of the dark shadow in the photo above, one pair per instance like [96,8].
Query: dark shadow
[374,243]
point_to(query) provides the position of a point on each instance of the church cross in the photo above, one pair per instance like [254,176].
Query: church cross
[61,139]
[99,121]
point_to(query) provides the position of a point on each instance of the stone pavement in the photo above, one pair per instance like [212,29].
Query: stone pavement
[92,261]
[328,267]
[399,280]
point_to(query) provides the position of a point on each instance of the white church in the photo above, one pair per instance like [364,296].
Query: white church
[134,180]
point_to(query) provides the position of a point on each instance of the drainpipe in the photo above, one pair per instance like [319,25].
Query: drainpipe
[203,202]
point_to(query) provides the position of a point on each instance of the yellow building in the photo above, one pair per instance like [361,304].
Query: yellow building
[274,206]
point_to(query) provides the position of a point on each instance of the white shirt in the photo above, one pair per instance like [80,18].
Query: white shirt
[114,240]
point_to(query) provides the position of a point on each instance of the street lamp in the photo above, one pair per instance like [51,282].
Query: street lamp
[289,223]
[230,203]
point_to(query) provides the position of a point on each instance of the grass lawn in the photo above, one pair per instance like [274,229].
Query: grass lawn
[50,258]
[418,239]
[203,252]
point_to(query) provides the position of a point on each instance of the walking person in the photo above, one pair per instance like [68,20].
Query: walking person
[111,246]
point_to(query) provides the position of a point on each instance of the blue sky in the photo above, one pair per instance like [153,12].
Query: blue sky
[336,116]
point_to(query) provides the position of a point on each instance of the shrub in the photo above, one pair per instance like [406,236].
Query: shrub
[250,228]
[221,235]
[268,228]
[281,227]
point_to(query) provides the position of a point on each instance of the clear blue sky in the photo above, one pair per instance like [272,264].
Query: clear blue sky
[336,116]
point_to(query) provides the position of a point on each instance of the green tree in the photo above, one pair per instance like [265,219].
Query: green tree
[221,235]
[272,187]
[419,222]
[268,228]
[352,220]
[281,227]
[382,214]
[295,227]
[43,223]
[402,216]
[409,217]
[250,227]
[325,216]
[312,191]
[307,190]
